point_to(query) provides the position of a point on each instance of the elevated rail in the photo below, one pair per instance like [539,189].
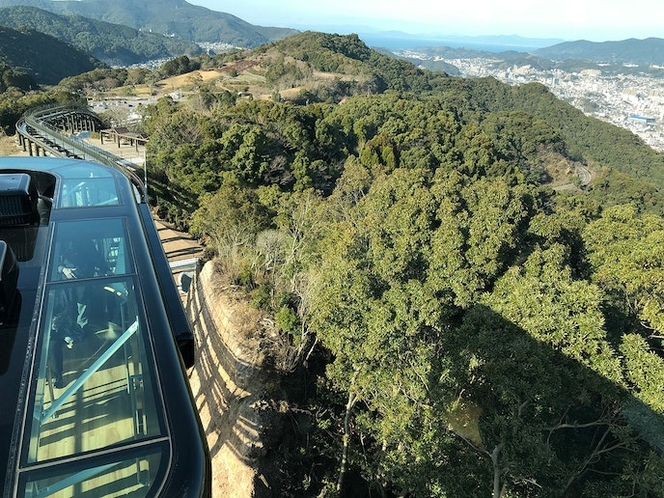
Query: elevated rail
[50,128]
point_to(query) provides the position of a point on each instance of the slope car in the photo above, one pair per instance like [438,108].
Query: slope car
[94,341]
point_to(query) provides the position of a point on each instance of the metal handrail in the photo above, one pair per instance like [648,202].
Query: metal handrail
[36,119]
[94,368]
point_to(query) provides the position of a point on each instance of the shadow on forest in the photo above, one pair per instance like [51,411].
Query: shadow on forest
[548,424]
[536,420]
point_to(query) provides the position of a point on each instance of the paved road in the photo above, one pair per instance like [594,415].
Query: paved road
[584,175]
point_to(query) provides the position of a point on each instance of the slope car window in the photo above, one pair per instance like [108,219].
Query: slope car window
[130,476]
[97,397]
[88,186]
[94,369]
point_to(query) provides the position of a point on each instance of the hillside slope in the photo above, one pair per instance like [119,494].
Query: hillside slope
[45,58]
[299,64]
[169,17]
[434,301]
[643,52]
[113,44]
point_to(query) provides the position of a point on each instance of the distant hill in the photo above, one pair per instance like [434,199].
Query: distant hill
[318,67]
[45,58]
[435,55]
[168,17]
[113,44]
[642,52]
[431,65]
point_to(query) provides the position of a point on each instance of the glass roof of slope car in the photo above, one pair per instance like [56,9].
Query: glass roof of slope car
[92,418]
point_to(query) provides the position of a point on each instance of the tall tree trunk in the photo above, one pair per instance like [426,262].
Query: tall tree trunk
[352,397]
[496,470]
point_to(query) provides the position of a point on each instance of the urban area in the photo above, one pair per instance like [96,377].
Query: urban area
[632,101]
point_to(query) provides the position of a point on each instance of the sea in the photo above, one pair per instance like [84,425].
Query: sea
[395,42]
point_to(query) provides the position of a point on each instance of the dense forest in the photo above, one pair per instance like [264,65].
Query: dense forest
[45,58]
[452,325]
[457,327]
[113,44]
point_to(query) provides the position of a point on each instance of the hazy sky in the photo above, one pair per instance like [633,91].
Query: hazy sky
[597,20]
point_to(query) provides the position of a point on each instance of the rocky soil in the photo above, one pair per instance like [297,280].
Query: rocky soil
[229,385]
[9,146]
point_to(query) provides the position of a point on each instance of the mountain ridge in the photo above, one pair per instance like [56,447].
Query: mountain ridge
[113,44]
[47,59]
[648,51]
[192,23]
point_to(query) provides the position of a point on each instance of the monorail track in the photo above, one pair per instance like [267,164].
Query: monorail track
[50,131]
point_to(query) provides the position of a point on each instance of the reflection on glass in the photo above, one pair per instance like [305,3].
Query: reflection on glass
[130,477]
[90,191]
[95,388]
[86,249]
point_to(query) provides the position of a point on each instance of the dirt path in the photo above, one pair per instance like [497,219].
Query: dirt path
[180,248]
[9,147]
[224,381]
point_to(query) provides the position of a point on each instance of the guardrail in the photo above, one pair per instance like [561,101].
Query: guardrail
[34,126]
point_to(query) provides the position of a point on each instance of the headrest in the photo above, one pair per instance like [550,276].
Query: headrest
[8,279]
[18,200]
